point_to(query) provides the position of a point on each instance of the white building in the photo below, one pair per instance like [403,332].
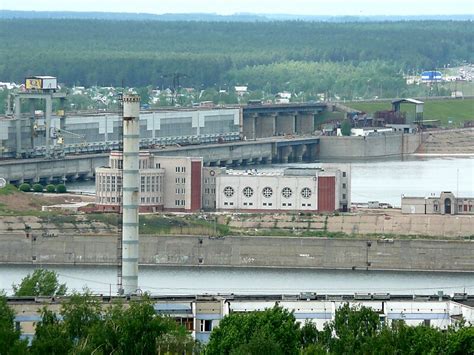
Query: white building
[316,190]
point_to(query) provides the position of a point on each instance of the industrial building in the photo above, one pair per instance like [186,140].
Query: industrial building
[201,314]
[44,133]
[294,189]
[446,203]
[166,183]
[182,184]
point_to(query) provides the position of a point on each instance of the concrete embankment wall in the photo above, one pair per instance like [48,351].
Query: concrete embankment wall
[386,222]
[281,252]
[368,147]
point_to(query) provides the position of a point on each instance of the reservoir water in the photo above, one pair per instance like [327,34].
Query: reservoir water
[384,181]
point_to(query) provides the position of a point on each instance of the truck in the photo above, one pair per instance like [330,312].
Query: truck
[41,83]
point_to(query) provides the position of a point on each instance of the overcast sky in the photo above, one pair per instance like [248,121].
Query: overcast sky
[226,7]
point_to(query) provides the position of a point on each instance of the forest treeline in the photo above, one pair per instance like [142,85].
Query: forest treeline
[278,55]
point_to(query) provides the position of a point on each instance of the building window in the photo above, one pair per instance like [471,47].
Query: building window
[286,192]
[344,174]
[267,192]
[344,186]
[228,191]
[248,191]
[343,196]
[205,325]
[306,192]
[226,203]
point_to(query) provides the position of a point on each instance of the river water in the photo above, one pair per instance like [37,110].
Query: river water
[384,181]
[201,280]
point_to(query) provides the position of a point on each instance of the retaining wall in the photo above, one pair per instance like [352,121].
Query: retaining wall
[281,252]
[368,147]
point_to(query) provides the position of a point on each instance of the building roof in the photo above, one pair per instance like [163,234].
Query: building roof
[409,101]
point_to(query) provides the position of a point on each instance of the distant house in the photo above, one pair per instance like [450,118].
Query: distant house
[446,203]
[241,90]
[283,97]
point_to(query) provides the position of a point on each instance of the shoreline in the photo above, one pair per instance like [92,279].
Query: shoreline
[224,267]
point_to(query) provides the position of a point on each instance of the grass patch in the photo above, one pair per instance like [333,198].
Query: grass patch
[8,190]
[111,219]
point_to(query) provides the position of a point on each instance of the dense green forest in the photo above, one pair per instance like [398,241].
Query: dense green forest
[355,59]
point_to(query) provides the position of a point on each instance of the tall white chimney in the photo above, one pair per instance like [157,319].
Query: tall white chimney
[131,193]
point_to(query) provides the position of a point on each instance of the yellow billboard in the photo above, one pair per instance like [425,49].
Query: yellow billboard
[33,84]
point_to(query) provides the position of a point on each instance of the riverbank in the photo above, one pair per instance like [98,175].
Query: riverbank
[360,224]
[448,142]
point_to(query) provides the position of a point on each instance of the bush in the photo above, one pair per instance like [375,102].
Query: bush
[38,188]
[50,188]
[61,188]
[346,128]
[25,187]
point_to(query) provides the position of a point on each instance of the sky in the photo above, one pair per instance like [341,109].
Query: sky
[227,7]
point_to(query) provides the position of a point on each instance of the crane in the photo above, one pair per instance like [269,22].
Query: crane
[59,135]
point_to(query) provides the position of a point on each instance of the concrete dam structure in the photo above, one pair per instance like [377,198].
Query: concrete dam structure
[248,135]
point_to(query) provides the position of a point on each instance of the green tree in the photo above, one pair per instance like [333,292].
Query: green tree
[50,188]
[38,188]
[86,328]
[460,341]
[81,312]
[10,343]
[61,189]
[274,331]
[136,330]
[25,187]
[352,329]
[346,127]
[50,336]
[41,283]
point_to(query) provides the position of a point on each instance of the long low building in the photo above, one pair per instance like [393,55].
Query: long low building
[182,184]
[201,314]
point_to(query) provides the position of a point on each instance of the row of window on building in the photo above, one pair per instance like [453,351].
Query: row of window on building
[267,192]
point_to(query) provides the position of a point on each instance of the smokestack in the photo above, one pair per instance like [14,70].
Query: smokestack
[131,192]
